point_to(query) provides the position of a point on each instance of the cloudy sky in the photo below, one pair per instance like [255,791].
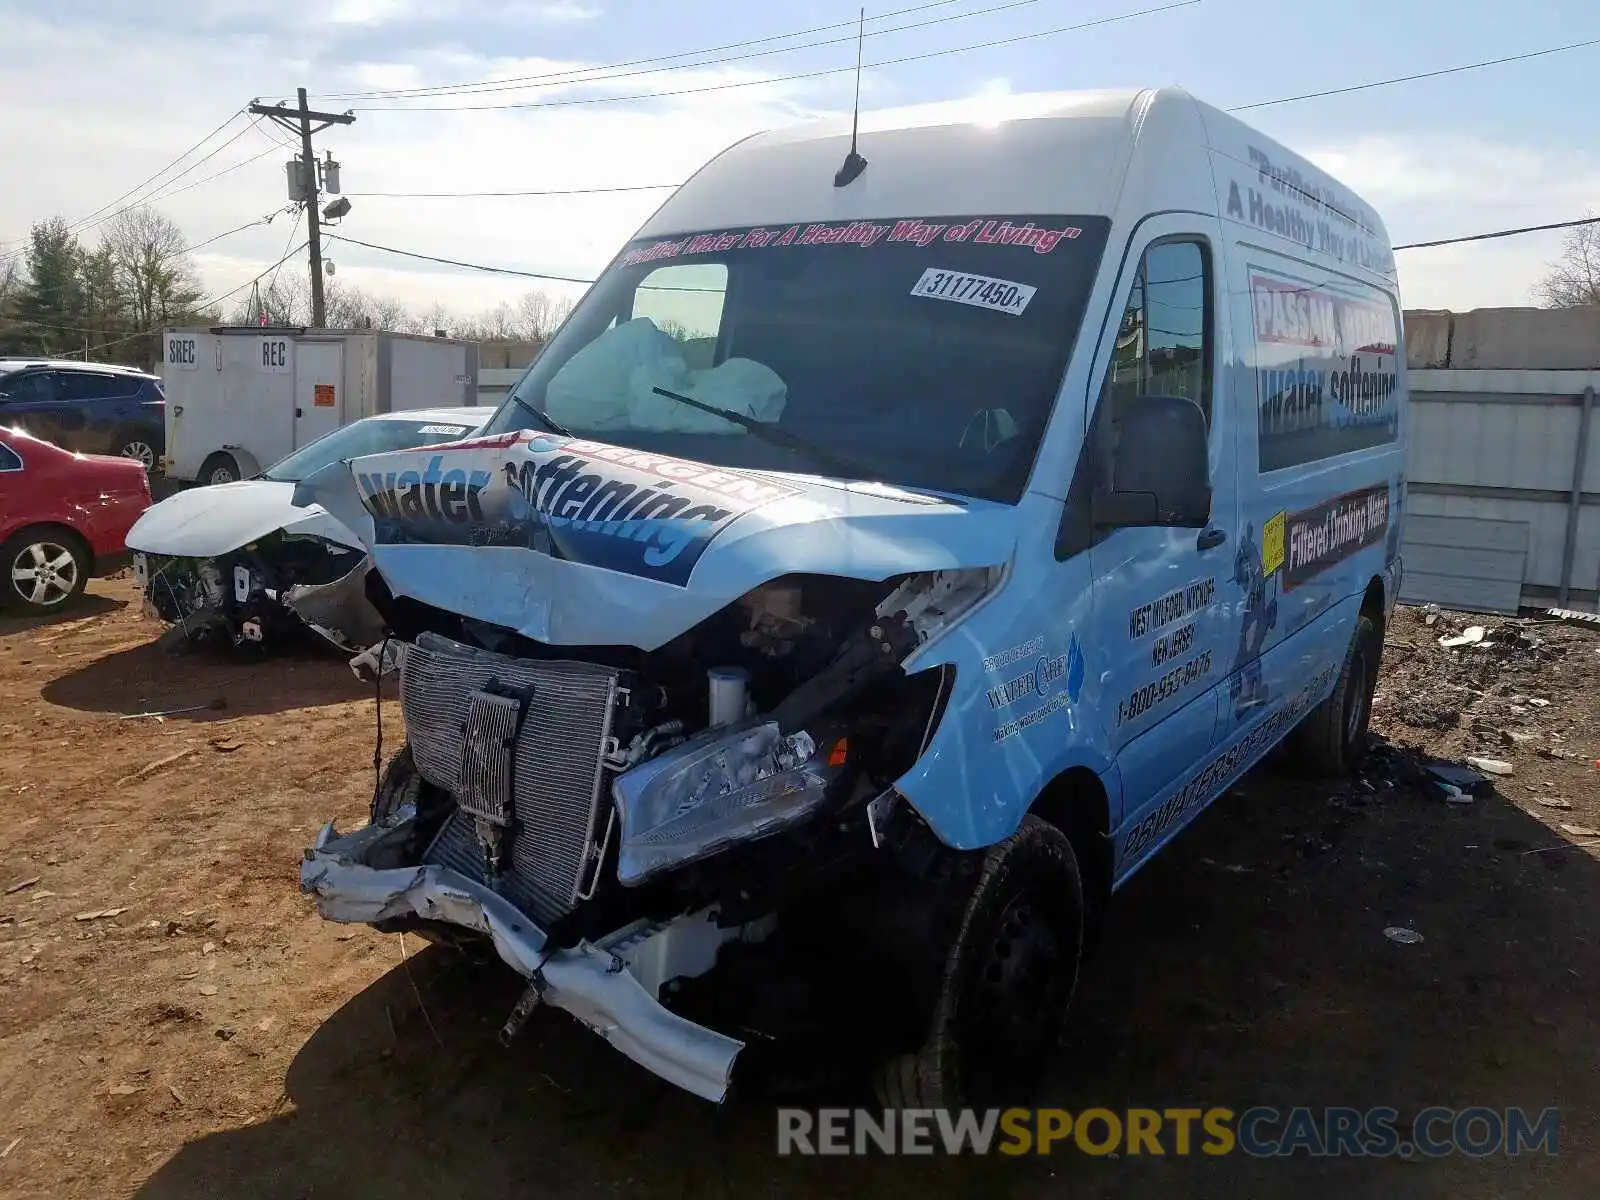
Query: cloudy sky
[98,94]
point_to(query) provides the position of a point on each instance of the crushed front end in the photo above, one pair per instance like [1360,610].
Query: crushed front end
[273,590]
[666,844]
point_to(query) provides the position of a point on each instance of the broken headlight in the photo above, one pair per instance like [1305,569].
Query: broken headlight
[731,784]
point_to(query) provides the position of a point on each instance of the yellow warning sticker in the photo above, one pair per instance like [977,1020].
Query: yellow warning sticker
[1272,544]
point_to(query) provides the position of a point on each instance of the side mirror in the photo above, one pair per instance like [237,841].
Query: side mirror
[1160,467]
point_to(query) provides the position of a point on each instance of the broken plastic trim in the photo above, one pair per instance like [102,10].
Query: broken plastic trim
[338,611]
[590,983]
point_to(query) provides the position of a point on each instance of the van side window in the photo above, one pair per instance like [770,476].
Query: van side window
[1164,342]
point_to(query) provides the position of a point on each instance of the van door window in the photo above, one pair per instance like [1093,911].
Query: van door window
[1164,342]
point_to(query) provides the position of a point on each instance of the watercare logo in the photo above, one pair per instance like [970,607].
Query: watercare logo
[1382,1132]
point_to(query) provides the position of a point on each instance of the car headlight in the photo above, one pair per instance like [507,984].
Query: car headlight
[731,784]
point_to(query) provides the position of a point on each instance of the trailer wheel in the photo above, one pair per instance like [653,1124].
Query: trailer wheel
[1332,739]
[1007,982]
[220,467]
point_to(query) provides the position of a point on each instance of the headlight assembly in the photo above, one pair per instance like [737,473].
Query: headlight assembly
[731,784]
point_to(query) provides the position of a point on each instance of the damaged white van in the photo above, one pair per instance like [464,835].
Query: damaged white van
[897,546]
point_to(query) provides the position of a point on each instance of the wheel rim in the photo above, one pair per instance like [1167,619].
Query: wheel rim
[141,452]
[1016,1001]
[1356,698]
[221,475]
[44,574]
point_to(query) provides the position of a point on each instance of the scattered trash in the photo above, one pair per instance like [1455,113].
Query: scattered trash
[1538,703]
[10,1146]
[1470,636]
[1552,801]
[1454,795]
[218,705]
[208,989]
[23,883]
[1399,933]
[1454,775]
[1579,831]
[1491,766]
[150,769]
[99,914]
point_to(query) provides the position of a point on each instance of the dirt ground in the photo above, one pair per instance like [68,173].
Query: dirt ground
[176,1023]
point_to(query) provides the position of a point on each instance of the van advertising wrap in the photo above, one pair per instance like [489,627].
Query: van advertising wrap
[1326,371]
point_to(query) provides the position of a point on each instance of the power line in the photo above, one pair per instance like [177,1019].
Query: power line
[591,191]
[1500,233]
[1361,87]
[514,85]
[161,193]
[745,83]
[455,262]
[566,76]
[233,116]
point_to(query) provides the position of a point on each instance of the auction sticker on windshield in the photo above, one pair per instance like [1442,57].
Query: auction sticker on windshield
[980,291]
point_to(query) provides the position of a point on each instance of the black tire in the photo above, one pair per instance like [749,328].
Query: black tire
[220,467]
[1332,739]
[58,552]
[1007,982]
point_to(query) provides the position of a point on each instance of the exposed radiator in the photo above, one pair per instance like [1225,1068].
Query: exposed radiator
[518,743]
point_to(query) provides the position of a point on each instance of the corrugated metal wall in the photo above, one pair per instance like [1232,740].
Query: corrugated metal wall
[1512,445]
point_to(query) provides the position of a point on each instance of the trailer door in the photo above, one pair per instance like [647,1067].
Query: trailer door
[319,378]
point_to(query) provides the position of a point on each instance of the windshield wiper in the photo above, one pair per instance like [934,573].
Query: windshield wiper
[539,414]
[829,460]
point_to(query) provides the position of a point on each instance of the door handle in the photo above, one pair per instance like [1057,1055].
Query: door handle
[1210,538]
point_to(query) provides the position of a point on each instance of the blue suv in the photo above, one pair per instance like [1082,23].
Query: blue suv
[92,408]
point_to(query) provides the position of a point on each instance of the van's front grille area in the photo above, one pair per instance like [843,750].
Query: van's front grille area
[518,743]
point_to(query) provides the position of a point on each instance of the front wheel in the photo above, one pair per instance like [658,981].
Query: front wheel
[1007,981]
[45,570]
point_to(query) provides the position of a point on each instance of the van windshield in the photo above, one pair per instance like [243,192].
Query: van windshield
[923,352]
[374,435]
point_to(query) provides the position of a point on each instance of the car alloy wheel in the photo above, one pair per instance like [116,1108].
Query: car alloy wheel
[44,574]
[141,452]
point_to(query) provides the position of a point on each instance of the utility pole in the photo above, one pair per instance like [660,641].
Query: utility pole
[299,120]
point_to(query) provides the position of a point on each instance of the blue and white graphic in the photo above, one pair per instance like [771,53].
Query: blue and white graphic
[1246,688]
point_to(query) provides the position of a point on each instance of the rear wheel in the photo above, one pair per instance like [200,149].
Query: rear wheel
[1332,739]
[219,468]
[139,448]
[45,570]
[1007,982]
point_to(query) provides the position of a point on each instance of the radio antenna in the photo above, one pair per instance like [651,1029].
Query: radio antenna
[854,164]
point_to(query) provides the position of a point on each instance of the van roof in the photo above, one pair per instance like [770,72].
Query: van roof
[1121,153]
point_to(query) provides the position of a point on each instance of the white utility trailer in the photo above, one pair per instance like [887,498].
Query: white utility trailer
[241,397]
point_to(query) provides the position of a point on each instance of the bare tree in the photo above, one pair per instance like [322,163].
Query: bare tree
[1574,278]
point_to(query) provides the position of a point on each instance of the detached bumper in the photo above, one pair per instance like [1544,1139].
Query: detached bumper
[592,984]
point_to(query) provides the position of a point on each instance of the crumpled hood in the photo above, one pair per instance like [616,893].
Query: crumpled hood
[205,522]
[577,542]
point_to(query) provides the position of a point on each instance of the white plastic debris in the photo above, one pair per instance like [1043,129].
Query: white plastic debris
[1538,703]
[1455,795]
[1470,636]
[1491,766]
[1399,933]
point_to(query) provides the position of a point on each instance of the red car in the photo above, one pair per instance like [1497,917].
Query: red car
[62,520]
